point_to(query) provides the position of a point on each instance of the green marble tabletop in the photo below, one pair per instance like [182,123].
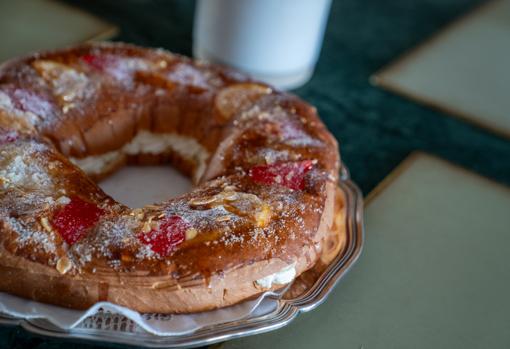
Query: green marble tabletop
[376,129]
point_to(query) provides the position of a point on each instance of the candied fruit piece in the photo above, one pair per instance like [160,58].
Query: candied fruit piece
[237,97]
[73,220]
[287,174]
[170,233]
[96,62]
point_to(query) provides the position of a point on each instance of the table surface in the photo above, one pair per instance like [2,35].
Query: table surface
[376,129]
[432,274]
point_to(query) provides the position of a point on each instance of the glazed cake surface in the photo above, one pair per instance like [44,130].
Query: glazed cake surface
[264,166]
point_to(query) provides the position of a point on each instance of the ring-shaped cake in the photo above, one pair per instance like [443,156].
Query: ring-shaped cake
[265,170]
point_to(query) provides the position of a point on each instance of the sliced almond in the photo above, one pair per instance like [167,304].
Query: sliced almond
[68,106]
[146,227]
[49,70]
[162,64]
[137,213]
[263,216]
[228,187]
[223,219]
[202,201]
[64,265]
[46,224]
[63,200]
[191,233]
[229,195]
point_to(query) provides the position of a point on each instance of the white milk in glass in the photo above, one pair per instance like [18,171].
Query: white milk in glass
[277,41]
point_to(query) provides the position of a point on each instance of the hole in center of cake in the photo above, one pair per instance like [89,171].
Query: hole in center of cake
[137,186]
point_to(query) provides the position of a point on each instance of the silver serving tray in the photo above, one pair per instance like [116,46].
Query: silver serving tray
[113,328]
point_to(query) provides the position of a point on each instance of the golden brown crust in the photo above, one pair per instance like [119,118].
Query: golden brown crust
[266,167]
[154,294]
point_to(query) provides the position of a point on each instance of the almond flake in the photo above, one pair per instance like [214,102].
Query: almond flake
[263,216]
[191,233]
[146,227]
[202,201]
[223,219]
[46,224]
[64,265]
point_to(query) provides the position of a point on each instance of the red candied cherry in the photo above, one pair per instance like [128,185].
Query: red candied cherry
[8,136]
[287,174]
[170,233]
[73,220]
[97,62]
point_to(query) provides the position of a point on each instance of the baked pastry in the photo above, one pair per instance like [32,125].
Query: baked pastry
[264,165]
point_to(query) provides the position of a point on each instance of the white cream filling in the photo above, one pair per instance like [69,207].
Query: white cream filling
[150,143]
[282,277]
[97,164]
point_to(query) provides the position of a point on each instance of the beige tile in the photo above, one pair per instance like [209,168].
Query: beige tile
[463,70]
[434,272]
[30,25]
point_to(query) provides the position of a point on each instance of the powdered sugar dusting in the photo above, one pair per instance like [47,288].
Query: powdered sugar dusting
[30,102]
[124,68]
[232,215]
[22,169]
[7,105]
[189,75]
[109,235]
[29,236]
[120,68]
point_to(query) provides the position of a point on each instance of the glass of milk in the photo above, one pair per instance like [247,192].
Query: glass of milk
[276,41]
